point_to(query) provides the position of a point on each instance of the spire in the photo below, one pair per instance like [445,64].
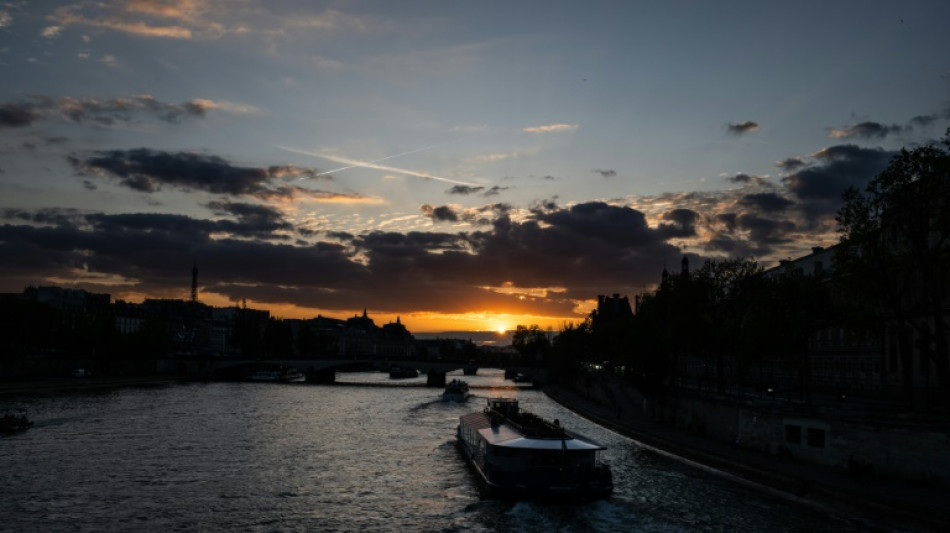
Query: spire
[364,313]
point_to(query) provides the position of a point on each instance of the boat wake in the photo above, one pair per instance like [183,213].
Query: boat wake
[425,405]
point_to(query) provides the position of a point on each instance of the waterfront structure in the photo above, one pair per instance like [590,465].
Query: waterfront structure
[186,328]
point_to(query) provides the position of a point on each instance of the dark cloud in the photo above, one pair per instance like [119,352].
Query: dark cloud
[765,230]
[605,173]
[464,189]
[156,250]
[682,223]
[581,251]
[442,213]
[262,218]
[866,130]
[95,111]
[729,220]
[148,170]
[620,225]
[791,164]
[838,168]
[927,120]
[17,115]
[485,215]
[340,235]
[747,235]
[547,204]
[768,202]
[747,179]
[742,127]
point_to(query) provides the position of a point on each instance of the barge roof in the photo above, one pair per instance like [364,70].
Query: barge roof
[506,435]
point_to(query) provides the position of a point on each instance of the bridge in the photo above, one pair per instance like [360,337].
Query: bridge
[324,370]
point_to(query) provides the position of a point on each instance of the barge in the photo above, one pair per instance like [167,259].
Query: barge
[518,455]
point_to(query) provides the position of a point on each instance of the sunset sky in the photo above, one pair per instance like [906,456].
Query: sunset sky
[461,165]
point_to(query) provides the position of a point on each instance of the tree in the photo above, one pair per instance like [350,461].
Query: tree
[724,290]
[531,342]
[895,249]
[571,345]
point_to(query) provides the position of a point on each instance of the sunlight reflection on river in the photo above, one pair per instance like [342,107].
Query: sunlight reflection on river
[271,457]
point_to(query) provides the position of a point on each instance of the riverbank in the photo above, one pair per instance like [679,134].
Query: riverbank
[875,502]
[91,383]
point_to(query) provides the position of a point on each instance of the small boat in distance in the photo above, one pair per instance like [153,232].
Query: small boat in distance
[516,454]
[456,391]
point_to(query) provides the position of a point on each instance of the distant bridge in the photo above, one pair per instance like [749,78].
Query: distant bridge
[324,370]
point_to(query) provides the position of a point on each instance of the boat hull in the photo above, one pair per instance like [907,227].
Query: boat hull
[455,396]
[598,484]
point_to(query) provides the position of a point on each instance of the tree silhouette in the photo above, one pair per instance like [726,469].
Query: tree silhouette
[895,248]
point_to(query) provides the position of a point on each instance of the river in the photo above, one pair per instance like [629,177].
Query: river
[344,457]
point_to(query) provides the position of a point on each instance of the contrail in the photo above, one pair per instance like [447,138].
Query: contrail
[353,163]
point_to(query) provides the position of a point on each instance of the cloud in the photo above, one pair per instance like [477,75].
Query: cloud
[72,16]
[551,128]
[147,170]
[263,218]
[202,19]
[605,173]
[5,19]
[819,188]
[682,223]
[442,213]
[464,189]
[768,202]
[927,120]
[17,115]
[588,249]
[790,164]
[51,32]
[742,127]
[839,167]
[747,179]
[107,112]
[865,130]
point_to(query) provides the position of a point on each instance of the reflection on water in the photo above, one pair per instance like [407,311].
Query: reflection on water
[272,457]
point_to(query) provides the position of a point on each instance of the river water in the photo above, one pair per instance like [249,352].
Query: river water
[346,457]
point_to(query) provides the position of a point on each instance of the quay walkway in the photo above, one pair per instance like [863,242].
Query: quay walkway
[874,502]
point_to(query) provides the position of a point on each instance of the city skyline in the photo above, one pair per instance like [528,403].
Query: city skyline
[463,167]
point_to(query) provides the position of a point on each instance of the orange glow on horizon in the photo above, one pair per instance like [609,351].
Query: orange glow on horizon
[415,322]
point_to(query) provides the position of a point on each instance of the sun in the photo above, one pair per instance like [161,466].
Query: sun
[501,329]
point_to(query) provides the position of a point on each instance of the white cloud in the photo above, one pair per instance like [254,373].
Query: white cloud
[551,128]
[51,32]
